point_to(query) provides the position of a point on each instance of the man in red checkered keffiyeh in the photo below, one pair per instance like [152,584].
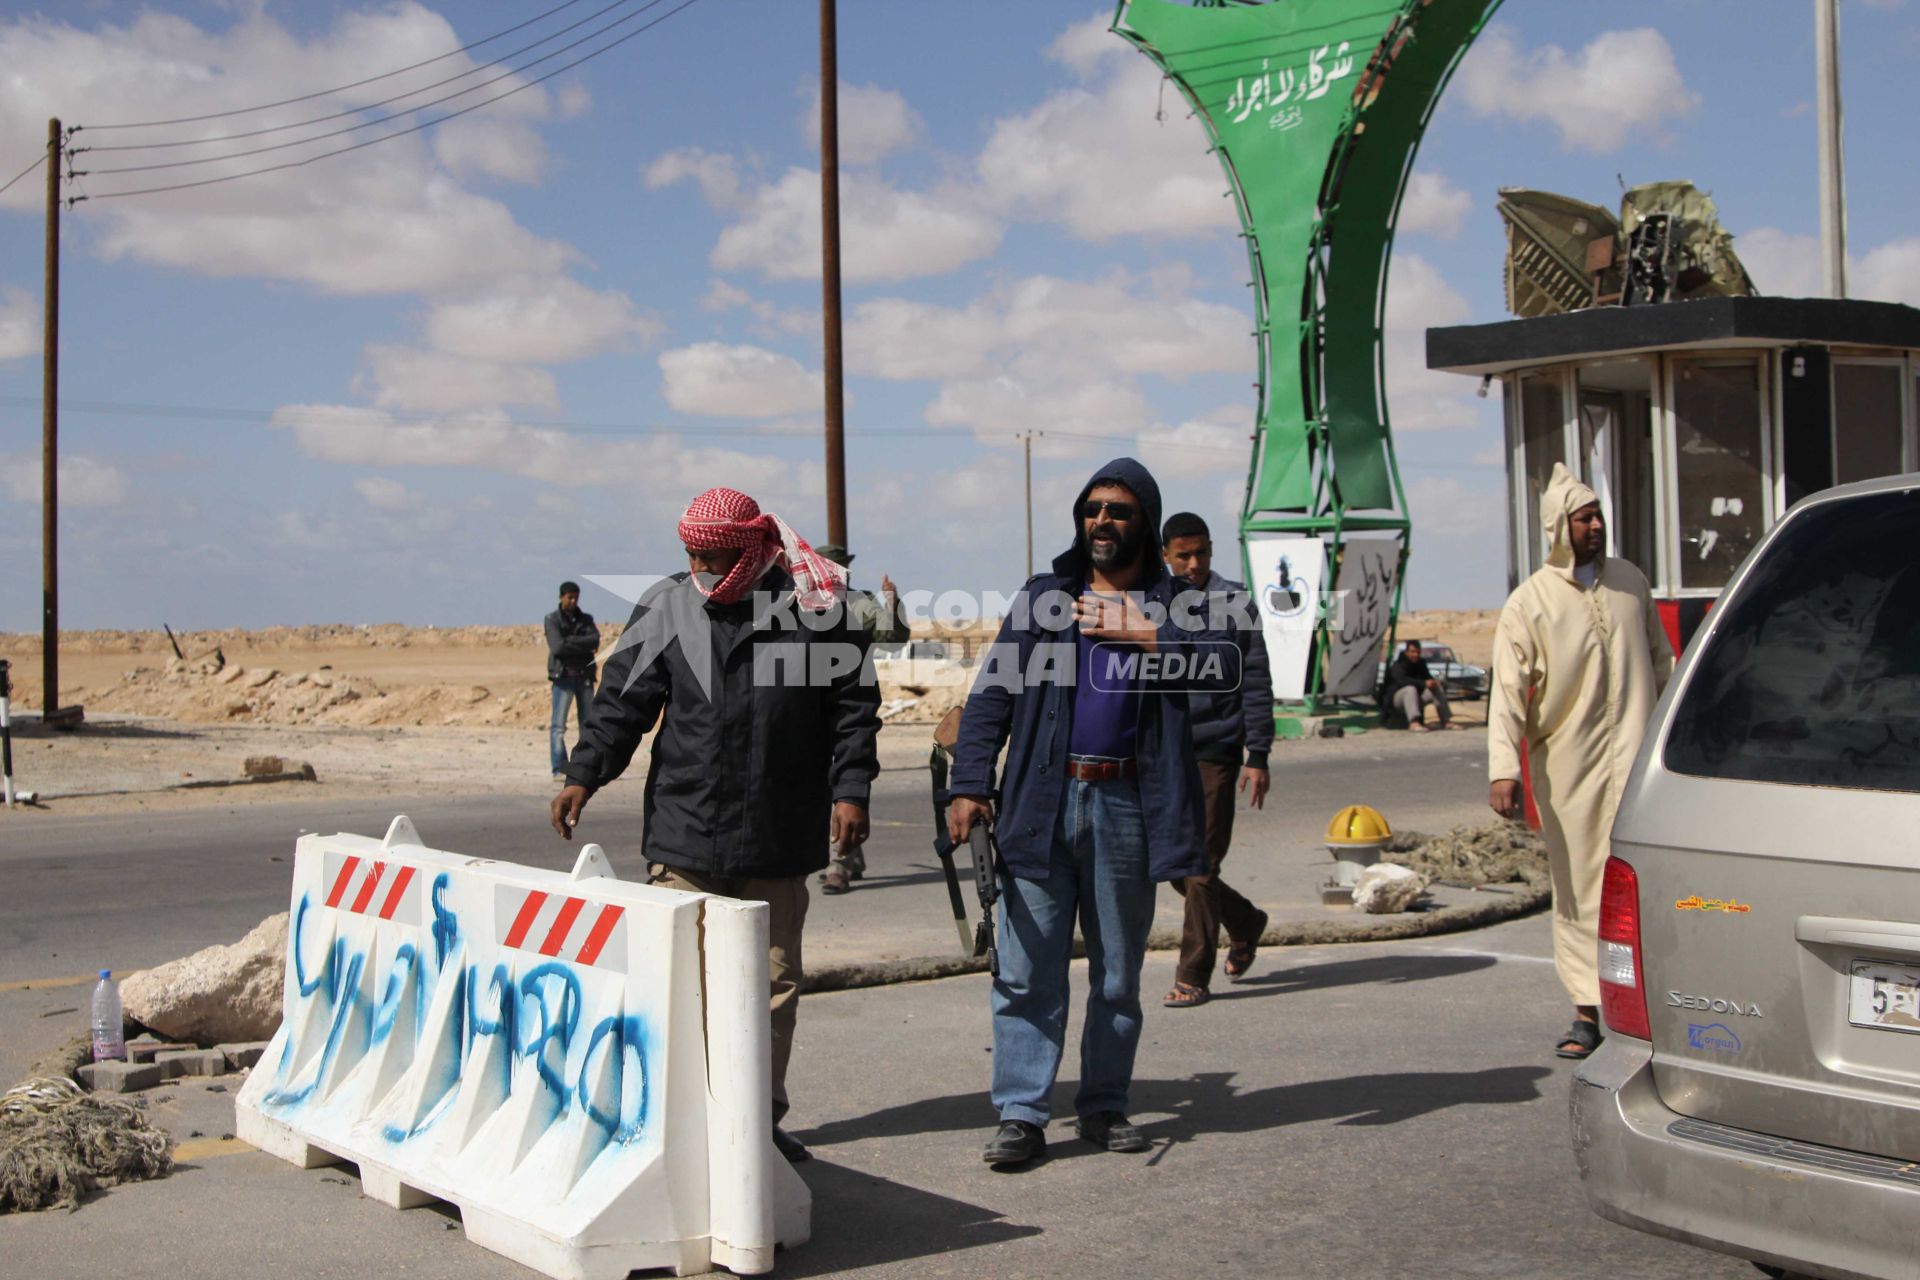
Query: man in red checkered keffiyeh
[726,519]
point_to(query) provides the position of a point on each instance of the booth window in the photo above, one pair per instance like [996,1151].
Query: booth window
[1543,435]
[1720,483]
[1867,428]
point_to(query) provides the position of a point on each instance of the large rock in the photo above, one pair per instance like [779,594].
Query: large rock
[215,996]
[1384,889]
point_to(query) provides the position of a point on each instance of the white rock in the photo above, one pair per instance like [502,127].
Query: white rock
[1385,888]
[220,995]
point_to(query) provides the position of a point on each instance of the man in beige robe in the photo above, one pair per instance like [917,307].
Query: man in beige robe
[1579,659]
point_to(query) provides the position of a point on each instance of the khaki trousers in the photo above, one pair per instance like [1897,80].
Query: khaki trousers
[786,899]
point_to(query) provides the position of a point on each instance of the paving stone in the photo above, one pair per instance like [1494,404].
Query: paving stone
[120,1077]
[193,1062]
[240,1056]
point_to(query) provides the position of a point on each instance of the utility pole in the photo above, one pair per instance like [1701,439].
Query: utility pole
[830,272]
[1028,438]
[1833,163]
[50,438]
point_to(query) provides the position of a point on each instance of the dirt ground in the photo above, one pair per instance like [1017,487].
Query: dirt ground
[376,710]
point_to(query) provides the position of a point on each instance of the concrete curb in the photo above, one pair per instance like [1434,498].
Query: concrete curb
[1495,909]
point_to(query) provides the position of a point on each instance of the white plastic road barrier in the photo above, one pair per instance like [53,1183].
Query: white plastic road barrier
[580,1064]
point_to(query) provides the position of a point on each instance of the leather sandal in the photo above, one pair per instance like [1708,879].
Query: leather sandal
[1185,995]
[1240,954]
[1582,1038]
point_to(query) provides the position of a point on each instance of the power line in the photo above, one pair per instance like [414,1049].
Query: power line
[24,172]
[371,106]
[395,115]
[323,93]
[451,115]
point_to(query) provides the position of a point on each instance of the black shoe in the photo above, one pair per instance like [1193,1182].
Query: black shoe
[791,1147]
[1016,1143]
[1113,1131]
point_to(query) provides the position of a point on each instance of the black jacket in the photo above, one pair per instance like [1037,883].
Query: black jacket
[1241,717]
[742,782]
[571,644]
[1404,673]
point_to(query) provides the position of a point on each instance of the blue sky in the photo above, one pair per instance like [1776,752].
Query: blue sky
[425,381]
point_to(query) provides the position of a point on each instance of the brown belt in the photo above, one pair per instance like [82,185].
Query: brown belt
[1100,770]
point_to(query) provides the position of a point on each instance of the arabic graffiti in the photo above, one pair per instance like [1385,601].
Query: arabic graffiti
[1365,598]
[1728,905]
[1271,88]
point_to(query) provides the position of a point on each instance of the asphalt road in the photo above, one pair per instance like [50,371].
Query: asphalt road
[1374,1110]
[128,891]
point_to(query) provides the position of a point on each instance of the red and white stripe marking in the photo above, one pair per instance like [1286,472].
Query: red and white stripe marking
[365,887]
[560,927]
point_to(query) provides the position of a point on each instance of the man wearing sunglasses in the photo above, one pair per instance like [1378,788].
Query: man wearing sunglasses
[1086,688]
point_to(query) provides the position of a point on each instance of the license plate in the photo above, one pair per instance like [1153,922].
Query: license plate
[1885,997]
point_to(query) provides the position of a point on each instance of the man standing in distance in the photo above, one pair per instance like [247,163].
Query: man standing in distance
[1226,726]
[765,731]
[572,642]
[884,620]
[1579,659]
[1100,800]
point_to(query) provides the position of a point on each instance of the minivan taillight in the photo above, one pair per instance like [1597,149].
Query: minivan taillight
[1623,992]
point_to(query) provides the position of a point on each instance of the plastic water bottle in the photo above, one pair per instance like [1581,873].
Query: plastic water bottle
[109,1025]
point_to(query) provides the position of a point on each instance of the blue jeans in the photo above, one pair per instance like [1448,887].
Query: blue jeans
[566,691]
[1097,872]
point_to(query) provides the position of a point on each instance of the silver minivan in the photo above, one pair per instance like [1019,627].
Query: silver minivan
[1758,1091]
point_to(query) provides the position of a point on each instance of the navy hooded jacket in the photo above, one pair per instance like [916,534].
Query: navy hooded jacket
[1023,699]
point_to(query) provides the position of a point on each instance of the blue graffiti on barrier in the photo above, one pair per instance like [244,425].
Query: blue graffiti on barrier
[625,1034]
[446,925]
[538,986]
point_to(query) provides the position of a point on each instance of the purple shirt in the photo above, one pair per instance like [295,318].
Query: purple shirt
[1106,700]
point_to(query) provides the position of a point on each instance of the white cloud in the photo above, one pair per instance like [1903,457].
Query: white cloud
[408,379]
[1786,265]
[874,123]
[1098,159]
[1202,445]
[717,176]
[656,468]
[1419,398]
[1782,264]
[385,494]
[1445,506]
[737,381]
[20,322]
[1118,325]
[1434,205]
[543,320]
[475,146]
[885,233]
[1031,395]
[1622,87]
[85,480]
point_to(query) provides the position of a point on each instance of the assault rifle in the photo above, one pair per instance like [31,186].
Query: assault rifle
[980,941]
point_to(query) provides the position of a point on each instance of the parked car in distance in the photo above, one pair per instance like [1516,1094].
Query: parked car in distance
[1459,679]
[1758,1091]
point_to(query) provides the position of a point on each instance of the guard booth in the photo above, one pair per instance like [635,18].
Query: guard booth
[1698,423]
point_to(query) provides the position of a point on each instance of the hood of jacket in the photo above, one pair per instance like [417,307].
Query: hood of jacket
[1076,562]
[1564,496]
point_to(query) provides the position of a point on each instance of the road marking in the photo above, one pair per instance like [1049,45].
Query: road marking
[48,984]
[212,1149]
[1491,955]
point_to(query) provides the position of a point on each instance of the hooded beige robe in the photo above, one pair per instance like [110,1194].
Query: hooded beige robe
[1576,672]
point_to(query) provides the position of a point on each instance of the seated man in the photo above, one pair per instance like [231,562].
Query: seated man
[1411,688]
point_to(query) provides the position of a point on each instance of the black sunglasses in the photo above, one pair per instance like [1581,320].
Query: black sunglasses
[1093,509]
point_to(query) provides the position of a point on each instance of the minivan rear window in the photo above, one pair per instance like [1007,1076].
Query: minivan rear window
[1812,674]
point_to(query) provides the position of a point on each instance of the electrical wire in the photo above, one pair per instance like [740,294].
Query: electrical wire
[24,172]
[295,164]
[370,106]
[324,93]
[395,115]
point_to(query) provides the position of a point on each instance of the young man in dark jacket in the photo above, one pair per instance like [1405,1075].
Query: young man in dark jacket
[1226,727]
[1086,688]
[768,724]
[572,642]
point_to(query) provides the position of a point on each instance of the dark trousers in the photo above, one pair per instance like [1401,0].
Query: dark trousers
[1211,903]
